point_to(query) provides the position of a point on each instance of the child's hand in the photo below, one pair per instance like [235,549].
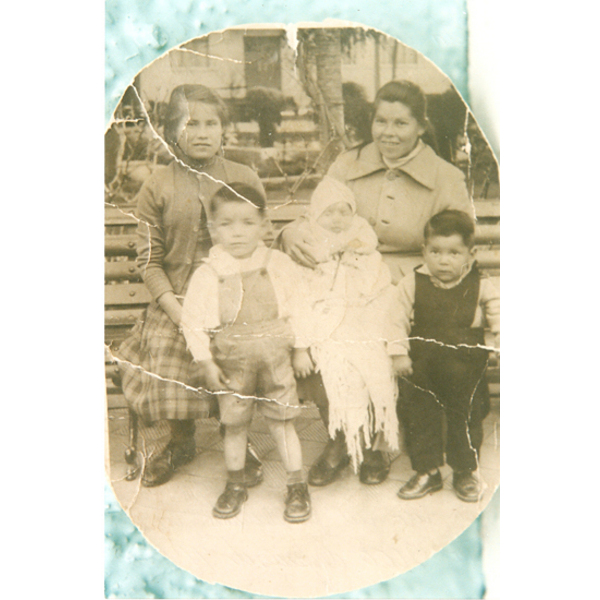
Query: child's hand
[214,378]
[402,366]
[302,362]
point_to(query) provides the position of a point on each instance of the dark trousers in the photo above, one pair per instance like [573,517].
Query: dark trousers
[447,384]
[312,388]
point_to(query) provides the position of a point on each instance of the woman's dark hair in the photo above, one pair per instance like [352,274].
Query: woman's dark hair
[238,192]
[177,109]
[451,222]
[409,94]
[413,97]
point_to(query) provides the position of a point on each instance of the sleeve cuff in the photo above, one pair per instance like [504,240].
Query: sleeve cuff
[157,283]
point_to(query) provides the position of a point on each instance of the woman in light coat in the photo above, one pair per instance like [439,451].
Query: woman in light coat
[399,183]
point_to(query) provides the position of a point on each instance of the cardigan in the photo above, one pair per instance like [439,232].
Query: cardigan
[172,232]
[201,311]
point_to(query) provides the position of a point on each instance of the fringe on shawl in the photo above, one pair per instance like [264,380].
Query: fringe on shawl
[361,391]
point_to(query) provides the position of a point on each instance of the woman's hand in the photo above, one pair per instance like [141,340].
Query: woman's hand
[214,378]
[402,366]
[296,245]
[302,362]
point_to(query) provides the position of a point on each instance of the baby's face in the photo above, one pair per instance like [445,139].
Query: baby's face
[336,218]
[447,257]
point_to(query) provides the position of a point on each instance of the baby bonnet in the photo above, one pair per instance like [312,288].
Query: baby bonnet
[330,191]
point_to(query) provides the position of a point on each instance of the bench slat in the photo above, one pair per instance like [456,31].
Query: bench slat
[126,293]
[122,317]
[120,245]
[487,234]
[488,258]
[487,208]
[114,271]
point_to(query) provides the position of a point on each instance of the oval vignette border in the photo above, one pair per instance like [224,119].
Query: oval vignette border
[338,577]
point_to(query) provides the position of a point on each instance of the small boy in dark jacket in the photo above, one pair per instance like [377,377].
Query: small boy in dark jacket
[443,307]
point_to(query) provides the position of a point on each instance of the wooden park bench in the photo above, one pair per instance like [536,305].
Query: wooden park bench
[126,295]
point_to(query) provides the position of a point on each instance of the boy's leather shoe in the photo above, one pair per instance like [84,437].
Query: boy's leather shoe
[230,501]
[297,503]
[374,468]
[253,473]
[467,486]
[420,485]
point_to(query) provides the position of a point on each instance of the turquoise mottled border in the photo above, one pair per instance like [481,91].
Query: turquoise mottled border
[139,31]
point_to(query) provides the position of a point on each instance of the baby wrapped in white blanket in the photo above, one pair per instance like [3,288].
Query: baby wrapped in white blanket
[350,295]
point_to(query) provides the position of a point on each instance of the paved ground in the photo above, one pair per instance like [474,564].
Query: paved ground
[357,535]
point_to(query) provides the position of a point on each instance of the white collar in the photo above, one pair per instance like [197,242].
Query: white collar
[424,269]
[400,162]
[225,264]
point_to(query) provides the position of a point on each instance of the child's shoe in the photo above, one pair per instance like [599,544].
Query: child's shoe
[467,486]
[230,501]
[297,503]
[374,468]
[421,484]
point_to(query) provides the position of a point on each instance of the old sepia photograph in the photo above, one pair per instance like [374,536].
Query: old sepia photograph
[302,310]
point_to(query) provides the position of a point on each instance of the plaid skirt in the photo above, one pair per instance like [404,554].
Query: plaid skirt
[160,379]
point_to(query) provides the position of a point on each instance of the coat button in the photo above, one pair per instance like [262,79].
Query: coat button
[372,221]
[391,175]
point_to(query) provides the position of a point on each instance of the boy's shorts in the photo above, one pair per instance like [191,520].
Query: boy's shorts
[257,360]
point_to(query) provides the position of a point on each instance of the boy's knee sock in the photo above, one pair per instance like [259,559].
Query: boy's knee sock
[236,476]
[294,477]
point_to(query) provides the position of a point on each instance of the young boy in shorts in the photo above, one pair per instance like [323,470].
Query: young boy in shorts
[444,305]
[242,319]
